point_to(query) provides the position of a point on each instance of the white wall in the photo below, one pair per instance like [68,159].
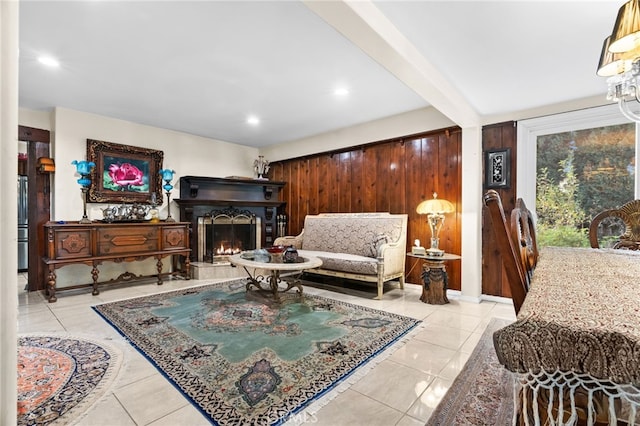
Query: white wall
[8,217]
[186,154]
[35,119]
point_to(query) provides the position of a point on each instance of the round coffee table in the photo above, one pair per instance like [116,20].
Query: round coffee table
[274,265]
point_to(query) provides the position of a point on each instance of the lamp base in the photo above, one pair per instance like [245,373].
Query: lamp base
[169,218]
[84,220]
[435,252]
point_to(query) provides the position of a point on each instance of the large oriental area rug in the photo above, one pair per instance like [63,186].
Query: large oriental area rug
[482,394]
[245,360]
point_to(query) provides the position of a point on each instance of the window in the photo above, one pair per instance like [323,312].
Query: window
[583,162]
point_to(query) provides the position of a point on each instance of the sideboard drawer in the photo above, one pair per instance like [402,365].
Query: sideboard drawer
[127,239]
[174,238]
[71,244]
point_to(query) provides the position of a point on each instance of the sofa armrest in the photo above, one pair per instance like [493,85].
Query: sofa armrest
[393,256]
[290,240]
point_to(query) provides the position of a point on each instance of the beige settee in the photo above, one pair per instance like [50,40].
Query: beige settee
[361,246]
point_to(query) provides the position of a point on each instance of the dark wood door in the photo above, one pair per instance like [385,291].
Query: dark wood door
[39,191]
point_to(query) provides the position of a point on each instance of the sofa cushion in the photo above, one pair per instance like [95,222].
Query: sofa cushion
[345,262]
[353,235]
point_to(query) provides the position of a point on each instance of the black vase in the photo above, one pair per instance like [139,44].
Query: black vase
[290,255]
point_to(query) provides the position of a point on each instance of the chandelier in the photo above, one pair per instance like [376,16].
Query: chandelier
[620,61]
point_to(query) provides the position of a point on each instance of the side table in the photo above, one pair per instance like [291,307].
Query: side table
[434,277]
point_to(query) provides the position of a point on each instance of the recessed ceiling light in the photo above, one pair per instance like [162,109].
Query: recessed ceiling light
[253,120]
[49,61]
[342,91]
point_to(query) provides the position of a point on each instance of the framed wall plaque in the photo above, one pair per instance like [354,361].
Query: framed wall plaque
[497,168]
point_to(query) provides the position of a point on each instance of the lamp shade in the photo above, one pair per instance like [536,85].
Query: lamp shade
[435,206]
[626,31]
[610,63]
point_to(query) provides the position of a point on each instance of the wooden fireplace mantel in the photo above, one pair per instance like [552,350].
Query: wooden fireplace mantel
[203,188]
[199,195]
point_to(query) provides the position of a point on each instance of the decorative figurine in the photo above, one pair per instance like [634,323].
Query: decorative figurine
[261,166]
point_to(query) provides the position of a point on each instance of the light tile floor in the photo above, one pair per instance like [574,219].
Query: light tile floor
[403,389]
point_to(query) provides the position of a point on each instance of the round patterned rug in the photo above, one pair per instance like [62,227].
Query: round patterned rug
[60,377]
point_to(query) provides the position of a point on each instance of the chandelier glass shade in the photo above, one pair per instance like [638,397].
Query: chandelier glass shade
[620,61]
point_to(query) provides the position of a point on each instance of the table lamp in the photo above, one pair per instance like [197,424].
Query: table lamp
[435,209]
[167,177]
[84,168]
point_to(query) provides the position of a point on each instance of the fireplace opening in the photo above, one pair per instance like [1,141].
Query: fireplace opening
[222,233]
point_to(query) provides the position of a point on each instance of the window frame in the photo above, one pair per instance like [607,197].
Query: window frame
[527,141]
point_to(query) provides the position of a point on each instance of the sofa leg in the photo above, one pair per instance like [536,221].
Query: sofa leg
[380,288]
[401,281]
[379,296]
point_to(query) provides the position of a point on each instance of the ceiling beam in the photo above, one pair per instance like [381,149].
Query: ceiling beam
[362,23]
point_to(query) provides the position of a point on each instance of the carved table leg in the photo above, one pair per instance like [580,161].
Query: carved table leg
[94,273]
[434,289]
[274,279]
[159,266]
[187,268]
[253,280]
[293,281]
[51,284]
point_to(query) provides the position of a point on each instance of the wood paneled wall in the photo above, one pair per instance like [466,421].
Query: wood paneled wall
[494,281]
[389,176]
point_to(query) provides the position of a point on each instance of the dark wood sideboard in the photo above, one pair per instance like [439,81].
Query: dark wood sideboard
[91,244]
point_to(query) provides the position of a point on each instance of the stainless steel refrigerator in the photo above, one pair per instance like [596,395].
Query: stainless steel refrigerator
[23,229]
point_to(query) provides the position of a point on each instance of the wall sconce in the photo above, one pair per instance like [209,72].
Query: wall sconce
[435,209]
[46,165]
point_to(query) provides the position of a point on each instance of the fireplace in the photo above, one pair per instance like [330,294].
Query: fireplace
[224,232]
[215,206]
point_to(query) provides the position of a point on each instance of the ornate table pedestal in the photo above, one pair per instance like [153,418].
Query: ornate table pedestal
[434,277]
[271,282]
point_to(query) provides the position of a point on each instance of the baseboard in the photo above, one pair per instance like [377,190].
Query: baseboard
[457,294]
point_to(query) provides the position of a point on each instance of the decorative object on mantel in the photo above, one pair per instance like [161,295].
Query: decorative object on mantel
[84,168]
[261,166]
[435,209]
[167,176]
[126,213]
[620,60]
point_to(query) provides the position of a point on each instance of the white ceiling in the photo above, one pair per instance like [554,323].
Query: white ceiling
[202,67]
